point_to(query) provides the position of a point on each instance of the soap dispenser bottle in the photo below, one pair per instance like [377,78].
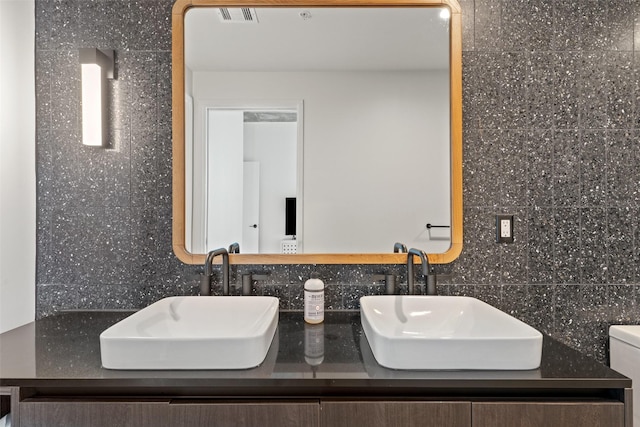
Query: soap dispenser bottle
[314,300]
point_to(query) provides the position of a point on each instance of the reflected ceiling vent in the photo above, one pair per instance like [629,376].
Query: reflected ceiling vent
[238,15]
[270,116]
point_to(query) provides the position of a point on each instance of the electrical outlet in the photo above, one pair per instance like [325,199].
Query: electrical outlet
[504,228]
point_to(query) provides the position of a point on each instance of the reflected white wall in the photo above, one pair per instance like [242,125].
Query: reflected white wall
[367,158]
[17,164]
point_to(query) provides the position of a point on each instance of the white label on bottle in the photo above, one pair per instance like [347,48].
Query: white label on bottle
[314,304]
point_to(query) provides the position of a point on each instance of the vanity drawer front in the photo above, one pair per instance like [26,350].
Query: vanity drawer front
[278,414]
[547,414]
[396,414]
[69,413]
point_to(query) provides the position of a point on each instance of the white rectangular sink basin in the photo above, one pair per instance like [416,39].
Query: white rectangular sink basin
[189,332]
[447,332]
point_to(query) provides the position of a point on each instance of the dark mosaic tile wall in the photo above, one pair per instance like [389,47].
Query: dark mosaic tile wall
[551,123]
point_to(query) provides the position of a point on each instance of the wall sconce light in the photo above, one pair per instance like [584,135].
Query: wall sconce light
[97,66]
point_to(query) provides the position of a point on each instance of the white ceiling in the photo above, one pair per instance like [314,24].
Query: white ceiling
[398,38]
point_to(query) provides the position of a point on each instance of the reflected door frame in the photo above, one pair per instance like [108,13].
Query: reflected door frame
[199,131]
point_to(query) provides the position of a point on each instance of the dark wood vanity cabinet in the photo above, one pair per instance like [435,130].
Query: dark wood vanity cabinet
[40,412]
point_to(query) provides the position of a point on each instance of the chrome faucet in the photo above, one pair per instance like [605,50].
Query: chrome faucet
[426,272]
[205,280]
[234,248]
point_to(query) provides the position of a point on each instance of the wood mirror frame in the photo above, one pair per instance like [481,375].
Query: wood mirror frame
[178,115]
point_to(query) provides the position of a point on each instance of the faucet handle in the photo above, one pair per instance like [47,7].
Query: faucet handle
[431,282]
[389,280]
[205,285]
[249,278]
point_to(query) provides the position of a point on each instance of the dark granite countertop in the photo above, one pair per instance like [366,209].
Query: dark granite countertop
[61,355]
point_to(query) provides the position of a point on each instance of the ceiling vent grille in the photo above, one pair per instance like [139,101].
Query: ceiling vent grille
[238,15]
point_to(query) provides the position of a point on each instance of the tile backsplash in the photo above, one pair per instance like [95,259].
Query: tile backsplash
[551,122]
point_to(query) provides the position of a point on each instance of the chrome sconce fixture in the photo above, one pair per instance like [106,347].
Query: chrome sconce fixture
[97,66]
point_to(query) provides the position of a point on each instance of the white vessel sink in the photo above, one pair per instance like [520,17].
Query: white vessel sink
[444,332]
[203,332]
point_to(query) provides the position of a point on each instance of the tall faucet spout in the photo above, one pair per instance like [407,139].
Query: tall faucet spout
[424,260]
[205,284]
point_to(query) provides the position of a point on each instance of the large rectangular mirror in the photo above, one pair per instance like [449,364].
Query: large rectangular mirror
[320,133]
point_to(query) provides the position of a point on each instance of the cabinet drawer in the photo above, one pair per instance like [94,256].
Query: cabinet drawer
[395,414]
[545,414]
[285,414]
[55,413]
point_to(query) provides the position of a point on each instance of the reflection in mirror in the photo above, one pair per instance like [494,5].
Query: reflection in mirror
[247,165]
[320,131]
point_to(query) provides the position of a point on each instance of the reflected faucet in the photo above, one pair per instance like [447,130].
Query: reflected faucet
[426,272]
[205,281]
[399,248]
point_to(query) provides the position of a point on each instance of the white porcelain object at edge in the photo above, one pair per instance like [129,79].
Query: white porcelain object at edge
[447,332]
[193,332]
